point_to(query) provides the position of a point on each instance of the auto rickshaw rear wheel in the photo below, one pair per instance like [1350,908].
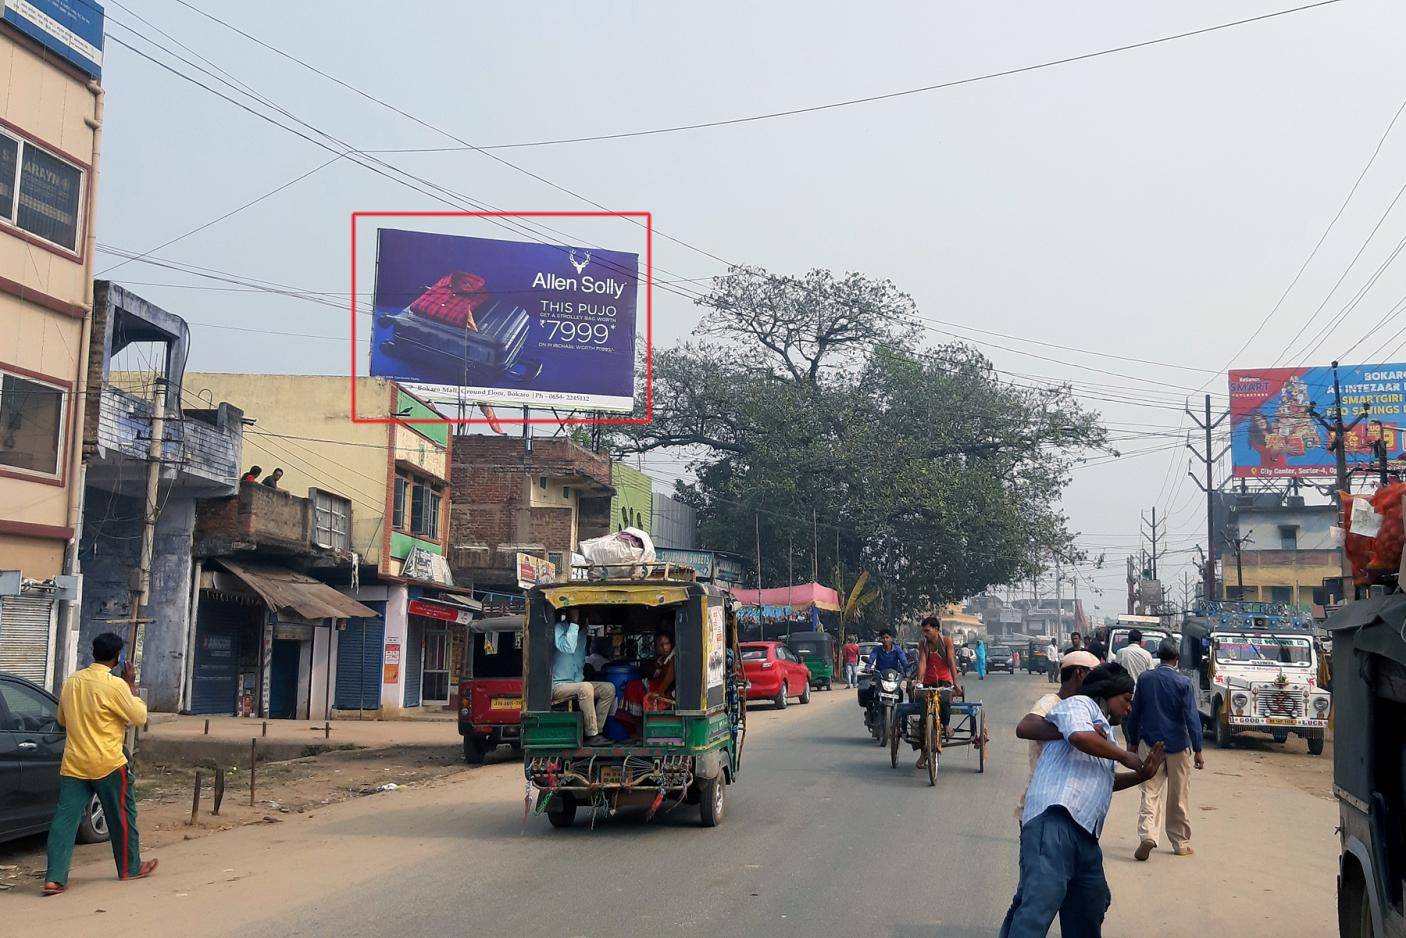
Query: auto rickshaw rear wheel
[561,811]
[711,800]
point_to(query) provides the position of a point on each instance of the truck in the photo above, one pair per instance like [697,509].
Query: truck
[1255,667]
[1153,630]
[1369,768]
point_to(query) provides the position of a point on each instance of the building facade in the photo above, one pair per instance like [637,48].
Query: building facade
[395,477]
[1286,550]
[50,134]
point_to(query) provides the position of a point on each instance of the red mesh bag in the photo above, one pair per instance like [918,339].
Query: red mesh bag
[453,300]
[1386,546]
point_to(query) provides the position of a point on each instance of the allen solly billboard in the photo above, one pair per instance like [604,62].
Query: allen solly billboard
[1274,436]
[509,322]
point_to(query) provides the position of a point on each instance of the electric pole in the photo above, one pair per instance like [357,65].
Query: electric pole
[1336,431]
[1154,539]
[141,587]
[1208,458]
[1237,543]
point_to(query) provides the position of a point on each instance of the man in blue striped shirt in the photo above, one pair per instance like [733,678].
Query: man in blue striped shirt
[1061,865]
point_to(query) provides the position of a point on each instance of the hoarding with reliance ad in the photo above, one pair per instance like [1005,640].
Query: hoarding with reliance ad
[509,322]
[1274,436]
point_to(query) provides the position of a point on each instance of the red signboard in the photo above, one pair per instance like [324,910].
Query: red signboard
[433,610]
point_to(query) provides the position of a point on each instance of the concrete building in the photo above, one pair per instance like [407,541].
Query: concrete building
[396,478]
[509,500]
[1286,549]
[50,133]
[199,459]
[674,524]
[632,505]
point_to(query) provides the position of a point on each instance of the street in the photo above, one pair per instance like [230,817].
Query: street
[822,837]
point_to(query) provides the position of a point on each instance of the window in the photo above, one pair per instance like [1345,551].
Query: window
[1288,537]
[39,193]
[425,504]
[1281,594]
[29,710]
[542,483]
[398,505]
[31,425]
[331,520]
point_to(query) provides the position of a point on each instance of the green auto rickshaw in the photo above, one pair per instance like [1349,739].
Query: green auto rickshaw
[817,650]
[680,746]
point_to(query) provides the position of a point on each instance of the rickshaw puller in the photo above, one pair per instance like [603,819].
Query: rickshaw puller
[936,667]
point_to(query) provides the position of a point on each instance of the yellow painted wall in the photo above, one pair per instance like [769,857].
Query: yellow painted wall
[303,424]
[422,453]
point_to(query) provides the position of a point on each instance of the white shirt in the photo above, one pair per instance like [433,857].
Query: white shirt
[1135,659]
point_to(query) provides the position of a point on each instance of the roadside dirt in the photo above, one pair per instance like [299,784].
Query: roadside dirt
[282,789]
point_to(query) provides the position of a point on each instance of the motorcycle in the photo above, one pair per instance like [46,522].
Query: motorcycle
[885,694]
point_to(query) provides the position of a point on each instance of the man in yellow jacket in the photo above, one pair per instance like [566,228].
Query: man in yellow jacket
[95,709]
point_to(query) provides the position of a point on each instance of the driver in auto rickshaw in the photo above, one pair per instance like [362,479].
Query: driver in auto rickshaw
[936,666]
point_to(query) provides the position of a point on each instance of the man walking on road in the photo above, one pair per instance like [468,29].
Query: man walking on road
[1164,713]
[1133,657]
[1072,670]
[1061,865]
[850,654]
[95,710]
[1076,643]
[1053,665]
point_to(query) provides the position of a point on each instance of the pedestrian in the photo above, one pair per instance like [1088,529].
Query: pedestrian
[274,476]
[1098,647]
[1165,714]
[1076,643]
[1052,662]
[1072,669]
[250,477]
[981,659]
[1133,657]
[850,654]
[1061,865]
[95,709]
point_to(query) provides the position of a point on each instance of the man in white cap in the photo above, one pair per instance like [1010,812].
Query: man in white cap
[1073,668]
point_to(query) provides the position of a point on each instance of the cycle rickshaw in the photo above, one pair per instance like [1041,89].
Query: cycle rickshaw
[966,726]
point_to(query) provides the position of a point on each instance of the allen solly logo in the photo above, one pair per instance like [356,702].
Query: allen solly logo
[579,265]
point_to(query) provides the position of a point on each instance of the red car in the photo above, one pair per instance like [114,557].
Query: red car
[774,672]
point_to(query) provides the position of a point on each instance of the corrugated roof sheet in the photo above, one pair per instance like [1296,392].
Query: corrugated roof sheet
[287,591]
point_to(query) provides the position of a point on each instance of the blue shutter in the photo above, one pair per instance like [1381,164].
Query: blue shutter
[359,649]
[414,654]
[215,679]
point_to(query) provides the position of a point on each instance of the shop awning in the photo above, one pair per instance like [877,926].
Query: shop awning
[301,595]
[800,597]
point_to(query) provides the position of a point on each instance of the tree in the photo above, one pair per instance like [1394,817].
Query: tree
[813,394]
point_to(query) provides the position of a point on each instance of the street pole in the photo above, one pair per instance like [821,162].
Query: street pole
[1059,600]
[814,547]
[141,593]
[1208,459]
[1336,431]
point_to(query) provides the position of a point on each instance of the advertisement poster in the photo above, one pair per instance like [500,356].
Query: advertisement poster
[533,570]
[508,322]
[717,646]
[1274,436]
[390,664]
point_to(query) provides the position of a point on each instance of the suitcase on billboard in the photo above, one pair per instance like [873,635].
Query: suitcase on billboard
[433,331]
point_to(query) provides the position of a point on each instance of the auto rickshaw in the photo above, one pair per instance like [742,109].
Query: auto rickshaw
[490,694]
[1037,657]
[817,650]
[687,748]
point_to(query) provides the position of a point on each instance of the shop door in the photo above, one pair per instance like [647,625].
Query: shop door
[283,679]
[435,683]
[414,661]
[215,678]
[24,636]
[359,649]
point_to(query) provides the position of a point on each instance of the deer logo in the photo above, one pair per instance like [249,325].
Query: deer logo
[579,265]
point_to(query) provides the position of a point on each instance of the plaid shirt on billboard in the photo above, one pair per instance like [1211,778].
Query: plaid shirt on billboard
[453,300]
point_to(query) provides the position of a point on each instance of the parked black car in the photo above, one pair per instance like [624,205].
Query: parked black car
[31,748]
[999,658]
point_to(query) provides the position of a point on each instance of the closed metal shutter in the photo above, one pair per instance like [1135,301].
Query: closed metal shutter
[215,679]
[414,662]
[359,650]
[25,623]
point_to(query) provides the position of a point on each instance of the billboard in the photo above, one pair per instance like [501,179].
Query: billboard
[508,322]
[534,570]
[73,29]
[1273,435]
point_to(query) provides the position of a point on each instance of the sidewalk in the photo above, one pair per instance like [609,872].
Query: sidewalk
[184,739]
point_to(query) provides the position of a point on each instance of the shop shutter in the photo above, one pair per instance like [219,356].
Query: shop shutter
[218,631]
[359,649]
[414,654]
[25,623]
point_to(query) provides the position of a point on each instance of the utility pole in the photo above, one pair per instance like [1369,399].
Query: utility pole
[1059,600]
[1336,431]
[814,547]
[1208,458]
[141,590]
[1237,543]
[1158,534]
[1379,450]
[1185,592]
[1132,581]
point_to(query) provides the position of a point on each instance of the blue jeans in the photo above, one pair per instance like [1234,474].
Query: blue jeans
[851,674]
[1061,873]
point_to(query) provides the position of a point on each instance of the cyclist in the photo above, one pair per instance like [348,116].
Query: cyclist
[936,667]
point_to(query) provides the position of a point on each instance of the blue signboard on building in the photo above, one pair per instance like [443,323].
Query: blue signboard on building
[73,29]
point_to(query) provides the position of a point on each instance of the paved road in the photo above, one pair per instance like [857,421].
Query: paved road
[822,838]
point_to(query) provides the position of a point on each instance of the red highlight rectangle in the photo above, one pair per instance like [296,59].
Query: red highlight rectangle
[648,319]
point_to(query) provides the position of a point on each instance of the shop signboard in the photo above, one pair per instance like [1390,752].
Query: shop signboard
[1274,435]
[72,29]
[506,322]
[534,570]
[699,561]
[440,611]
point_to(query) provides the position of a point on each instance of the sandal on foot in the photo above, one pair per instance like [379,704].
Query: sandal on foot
[54,889]
[145,870]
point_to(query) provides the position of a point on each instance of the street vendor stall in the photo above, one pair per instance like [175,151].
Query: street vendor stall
[783,610]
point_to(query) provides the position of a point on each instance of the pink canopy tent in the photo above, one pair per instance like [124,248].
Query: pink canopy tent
[800,596]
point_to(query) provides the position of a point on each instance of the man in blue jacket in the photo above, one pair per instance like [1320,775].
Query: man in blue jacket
[1164,711]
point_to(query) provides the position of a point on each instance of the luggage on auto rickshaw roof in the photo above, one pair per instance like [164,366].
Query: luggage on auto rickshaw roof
[817,650]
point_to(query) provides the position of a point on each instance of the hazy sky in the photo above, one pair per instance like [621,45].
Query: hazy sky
[1152,204]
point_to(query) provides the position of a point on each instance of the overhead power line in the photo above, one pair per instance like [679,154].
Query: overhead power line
[871,99]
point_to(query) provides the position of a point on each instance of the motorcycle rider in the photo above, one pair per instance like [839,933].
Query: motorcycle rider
[889,655]
[936,667]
